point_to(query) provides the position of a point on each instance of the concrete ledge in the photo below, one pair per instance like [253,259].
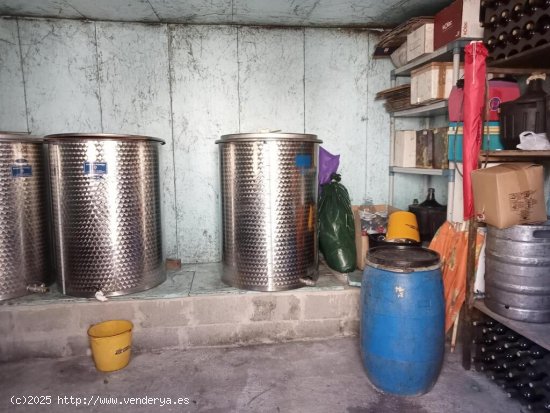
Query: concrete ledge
[60,329]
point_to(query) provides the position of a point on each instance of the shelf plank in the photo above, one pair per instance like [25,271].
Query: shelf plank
[421,171]
[443,54]
[512,155]
[537,333]
[536,57]
[434,109]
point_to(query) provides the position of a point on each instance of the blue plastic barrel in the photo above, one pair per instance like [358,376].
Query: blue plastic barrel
[402,319]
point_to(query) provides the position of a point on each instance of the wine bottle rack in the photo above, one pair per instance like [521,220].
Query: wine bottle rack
[519,366]
[515,29]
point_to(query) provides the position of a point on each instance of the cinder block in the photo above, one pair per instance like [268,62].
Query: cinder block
[332,304]
[315,329]
[77,345]
[164,313]
[216,309]
[95,312]
[146,339]
[266,332]
[213,335]
[6,323]
[30,319]
[275,308]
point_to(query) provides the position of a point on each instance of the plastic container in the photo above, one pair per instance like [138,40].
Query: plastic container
[491,139]
[402,319]
[111,343]
[402,225]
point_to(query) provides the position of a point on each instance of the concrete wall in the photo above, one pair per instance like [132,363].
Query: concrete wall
[190,84]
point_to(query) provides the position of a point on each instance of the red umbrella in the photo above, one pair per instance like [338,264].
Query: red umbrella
[474,101]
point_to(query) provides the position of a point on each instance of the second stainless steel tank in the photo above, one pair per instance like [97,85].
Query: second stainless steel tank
[269,197]
[23,230]
[106,213]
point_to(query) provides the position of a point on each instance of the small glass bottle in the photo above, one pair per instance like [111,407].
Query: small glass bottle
[515,35]
[517,12]
[430,201]
[504,18]
[529,30]
[543,24]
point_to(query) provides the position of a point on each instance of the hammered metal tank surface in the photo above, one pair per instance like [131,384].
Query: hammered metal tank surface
[23,230]
[269,209]
[106,213]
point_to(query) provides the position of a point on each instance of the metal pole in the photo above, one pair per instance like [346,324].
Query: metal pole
[466,327]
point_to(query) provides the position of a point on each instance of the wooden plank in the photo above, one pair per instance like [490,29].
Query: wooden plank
[13,115]
[135,98]
[61,77]
[271,79]
[512,155]
[205,105]
[335,106]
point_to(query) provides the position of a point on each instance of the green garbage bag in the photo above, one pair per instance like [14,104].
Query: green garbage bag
[336,227]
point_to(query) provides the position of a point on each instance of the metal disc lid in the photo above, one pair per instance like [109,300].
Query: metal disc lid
[272,136]
[65,137]
[403,257]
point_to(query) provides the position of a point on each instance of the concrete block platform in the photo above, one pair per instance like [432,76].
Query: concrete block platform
[193,308]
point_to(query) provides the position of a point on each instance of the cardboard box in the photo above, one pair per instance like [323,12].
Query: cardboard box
[404,149]
[432,81]
[424,148]
[420,41]
[399,57]
[362,241]
[459,20]
[441,148]
[509,194]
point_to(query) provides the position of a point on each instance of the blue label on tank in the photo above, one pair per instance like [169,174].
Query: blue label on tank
[21,171]
[303,161]
[95,168]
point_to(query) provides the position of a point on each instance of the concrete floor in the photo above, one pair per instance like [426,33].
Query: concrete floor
[321,376]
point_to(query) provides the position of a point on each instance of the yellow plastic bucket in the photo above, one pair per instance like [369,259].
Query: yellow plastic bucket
[402,225]
[111,343]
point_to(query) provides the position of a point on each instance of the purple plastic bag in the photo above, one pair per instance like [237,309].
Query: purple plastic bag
[328,164]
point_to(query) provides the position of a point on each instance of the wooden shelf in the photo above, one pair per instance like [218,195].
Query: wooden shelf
[434,109]
[536,57]
[443,54]
[512,155]
[537,333]
[423,171]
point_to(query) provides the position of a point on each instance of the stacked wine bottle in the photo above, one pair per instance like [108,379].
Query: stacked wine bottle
[514,363]
[512,27]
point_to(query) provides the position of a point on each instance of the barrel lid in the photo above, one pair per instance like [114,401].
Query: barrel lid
[21,137]
[403,257]
[273,136]
[65,137]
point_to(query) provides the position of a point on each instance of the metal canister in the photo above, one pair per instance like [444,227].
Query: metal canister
[23,228]
[269,197]
[517,272]
[106,213]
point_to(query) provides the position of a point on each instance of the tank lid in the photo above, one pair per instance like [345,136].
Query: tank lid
[22,137]
[403,257]
[64,137]
[246,137]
